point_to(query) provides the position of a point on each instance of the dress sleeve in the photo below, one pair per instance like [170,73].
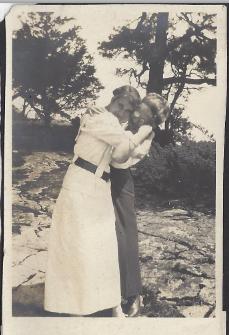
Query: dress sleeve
[140,152]
[104,126]
[137,154]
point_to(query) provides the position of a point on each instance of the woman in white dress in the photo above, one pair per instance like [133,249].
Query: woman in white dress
[82,274]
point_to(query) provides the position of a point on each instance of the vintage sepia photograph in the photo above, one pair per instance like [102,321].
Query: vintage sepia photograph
[116,114]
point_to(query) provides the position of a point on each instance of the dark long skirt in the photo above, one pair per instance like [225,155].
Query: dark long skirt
[122,190]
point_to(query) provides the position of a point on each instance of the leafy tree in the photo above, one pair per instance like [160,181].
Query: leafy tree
[52,70]
[171,56]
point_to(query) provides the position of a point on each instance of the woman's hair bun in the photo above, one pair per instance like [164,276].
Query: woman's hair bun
[126,89]
[128,92]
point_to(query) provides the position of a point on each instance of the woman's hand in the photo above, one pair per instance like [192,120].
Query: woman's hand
[145,131]
[125,149]
[124,125]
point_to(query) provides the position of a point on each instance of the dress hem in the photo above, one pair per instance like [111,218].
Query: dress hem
[77,313]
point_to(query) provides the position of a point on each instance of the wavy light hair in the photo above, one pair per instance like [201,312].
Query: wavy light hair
[158,105]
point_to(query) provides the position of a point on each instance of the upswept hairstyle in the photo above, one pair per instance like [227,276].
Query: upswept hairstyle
[128,92]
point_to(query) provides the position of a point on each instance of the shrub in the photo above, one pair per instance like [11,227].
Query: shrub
[183,171]
[32,135]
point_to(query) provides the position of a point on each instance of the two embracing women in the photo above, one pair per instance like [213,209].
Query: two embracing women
[93,249]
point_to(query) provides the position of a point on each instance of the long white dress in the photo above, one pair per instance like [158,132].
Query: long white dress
[82,274]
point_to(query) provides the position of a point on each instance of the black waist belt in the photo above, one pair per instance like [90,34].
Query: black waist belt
[90,167]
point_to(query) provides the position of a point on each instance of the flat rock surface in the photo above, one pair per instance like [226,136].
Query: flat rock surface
[177,246]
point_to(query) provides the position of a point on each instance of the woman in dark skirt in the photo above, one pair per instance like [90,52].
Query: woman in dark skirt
[153,111]
[122,191]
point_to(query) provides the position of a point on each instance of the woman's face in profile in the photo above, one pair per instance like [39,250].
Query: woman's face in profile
[122,108]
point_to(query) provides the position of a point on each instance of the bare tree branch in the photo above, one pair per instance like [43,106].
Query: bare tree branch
[177,94]
[192,81]
[168,91]
[197,29]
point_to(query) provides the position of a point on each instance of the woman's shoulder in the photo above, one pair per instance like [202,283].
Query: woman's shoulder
[100,116]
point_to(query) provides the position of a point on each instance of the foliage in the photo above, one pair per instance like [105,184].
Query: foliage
[180,126]
[182,47]
[52,70]
[184,171]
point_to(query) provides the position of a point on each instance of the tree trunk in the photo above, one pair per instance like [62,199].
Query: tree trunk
[24,108]
[155,83]
[47,117]
[46,109]
[157,63]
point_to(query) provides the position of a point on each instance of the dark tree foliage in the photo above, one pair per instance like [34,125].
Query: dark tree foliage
[52,70]
[180,172]
[171,56]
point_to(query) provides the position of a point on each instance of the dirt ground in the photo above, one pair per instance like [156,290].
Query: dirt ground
[177,245]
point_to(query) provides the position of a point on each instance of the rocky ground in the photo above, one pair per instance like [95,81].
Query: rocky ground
[176,245]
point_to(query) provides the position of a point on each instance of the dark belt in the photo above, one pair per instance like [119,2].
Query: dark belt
[90,167]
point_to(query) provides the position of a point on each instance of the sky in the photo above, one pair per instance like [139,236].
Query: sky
[97,24]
